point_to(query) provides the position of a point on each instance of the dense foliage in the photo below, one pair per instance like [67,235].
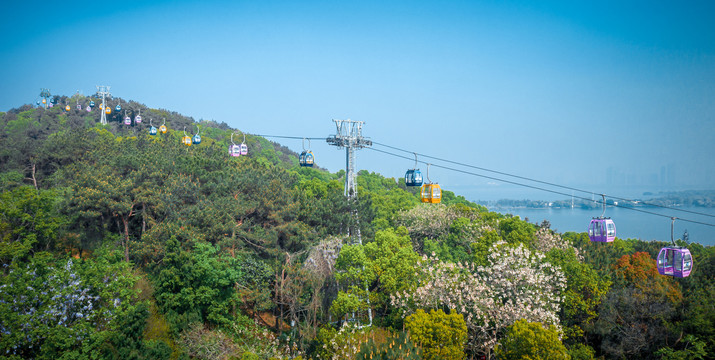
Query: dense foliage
[117,244]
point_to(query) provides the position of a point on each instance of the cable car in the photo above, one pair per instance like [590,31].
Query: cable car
[107,110]
[197,138]
[127,119]
[101,106]
[91,103]
[79,107]
[162,128]
[118,108]
[152,129]
[675,261]
[233,149]
[602,229]
[89,108]
[306,158]
[67,108]
[244,149]
[138,119]
[430,193]
[186,140]
[413,177]
[44,101]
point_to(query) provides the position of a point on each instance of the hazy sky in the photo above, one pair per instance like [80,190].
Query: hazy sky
[560,91]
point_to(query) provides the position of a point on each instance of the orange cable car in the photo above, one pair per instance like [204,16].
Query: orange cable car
[430,192]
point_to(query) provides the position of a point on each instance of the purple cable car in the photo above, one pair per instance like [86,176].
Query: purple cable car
[602,229]
[675,260]
[244,149]
[127,120]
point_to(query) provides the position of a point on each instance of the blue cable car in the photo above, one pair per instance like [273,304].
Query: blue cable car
[91,103]
[118,108]
[413,177]
[306,158]
[197,138]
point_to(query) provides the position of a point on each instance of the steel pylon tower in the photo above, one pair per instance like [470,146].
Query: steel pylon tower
[349,136]
[103,90]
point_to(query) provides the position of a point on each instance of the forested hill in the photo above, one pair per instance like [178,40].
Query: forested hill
[122,245]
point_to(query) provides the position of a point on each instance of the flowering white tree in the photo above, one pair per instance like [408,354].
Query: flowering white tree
[518,284]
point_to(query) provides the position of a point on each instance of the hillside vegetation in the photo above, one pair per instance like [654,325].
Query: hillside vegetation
[121,245]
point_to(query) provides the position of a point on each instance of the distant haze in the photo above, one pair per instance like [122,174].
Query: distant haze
[603,95]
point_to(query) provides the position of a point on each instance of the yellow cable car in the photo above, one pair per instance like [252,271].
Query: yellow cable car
[107,110]
[67,108]
[162,128]
[431,193]
[186,140]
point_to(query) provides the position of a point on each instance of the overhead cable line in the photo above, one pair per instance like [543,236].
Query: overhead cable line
[290,137]
[518,177]
[536,187]
[542,182]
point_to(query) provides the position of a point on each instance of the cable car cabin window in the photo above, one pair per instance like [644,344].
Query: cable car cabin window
[678,261]
[611,229]
[436,192]
[687,262]
[418,177]
[309,159]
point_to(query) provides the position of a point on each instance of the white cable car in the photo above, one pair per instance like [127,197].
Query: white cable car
[233,149]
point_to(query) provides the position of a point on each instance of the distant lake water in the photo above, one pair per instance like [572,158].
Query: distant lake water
[629,223]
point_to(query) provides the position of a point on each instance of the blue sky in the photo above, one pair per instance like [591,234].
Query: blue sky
[560,91]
